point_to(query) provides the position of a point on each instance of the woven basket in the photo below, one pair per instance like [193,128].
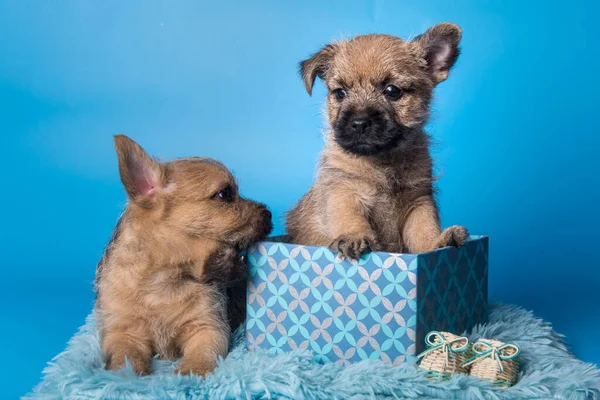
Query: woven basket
[445,355]
[496,361]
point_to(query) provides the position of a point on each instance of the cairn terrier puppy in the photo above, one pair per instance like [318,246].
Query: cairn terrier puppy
[171,281]
[374,189]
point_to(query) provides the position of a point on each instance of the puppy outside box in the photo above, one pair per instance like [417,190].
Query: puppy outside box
[171,281]
[378,307]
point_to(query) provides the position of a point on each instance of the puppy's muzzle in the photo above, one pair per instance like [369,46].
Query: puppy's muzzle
[264,223]
[267,218]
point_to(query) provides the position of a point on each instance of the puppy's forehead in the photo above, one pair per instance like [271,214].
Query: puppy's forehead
[201,172]
[373,58]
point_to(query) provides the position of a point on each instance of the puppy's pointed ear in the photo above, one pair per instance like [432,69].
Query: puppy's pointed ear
[317,65]
[439,49]
[142,176]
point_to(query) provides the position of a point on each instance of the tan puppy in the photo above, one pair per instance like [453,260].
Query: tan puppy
[374,188]
[171,271]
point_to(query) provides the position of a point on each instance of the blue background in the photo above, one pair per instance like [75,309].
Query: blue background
[515,127]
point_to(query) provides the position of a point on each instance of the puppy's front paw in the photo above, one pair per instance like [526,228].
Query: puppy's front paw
[352,245]
[453,236]
[197,367]
[140,363]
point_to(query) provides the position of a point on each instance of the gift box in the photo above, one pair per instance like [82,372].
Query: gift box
[378,307]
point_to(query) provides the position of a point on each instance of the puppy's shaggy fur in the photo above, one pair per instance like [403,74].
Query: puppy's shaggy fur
[374,188]
[171,281]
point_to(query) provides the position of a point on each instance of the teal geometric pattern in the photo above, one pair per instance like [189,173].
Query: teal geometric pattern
[453,288]
[306,297]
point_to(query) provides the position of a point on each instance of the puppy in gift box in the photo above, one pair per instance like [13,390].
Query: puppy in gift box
[374,188]
[338,286]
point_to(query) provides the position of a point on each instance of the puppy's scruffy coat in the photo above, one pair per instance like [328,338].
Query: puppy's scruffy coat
[171,281]
[374,188]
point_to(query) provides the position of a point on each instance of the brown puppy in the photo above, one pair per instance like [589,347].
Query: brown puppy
[374,188]
[171,274]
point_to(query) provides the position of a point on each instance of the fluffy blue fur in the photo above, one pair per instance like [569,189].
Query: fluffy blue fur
[549,370]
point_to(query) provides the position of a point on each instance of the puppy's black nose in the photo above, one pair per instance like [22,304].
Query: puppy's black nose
[360,125]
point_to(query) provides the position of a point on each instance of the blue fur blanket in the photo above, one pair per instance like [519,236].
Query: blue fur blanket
[549,370]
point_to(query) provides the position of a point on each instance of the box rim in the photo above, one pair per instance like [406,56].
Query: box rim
[471,238]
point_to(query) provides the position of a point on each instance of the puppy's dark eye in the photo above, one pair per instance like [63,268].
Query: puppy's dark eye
[225,194]
[339,94]
[392,92]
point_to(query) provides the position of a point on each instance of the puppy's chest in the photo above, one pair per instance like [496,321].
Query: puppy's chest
[388,213]
[384,214]
[171,286]
[392,194]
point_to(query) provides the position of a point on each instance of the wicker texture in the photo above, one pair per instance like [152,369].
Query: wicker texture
[496,361]
[445,355]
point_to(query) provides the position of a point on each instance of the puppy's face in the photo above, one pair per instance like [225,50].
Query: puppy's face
[380,86]
[195,197]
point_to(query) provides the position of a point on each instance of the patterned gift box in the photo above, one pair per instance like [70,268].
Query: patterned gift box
[379,307]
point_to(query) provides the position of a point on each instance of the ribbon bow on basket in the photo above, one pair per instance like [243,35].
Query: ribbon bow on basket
[484,350]
[437,341]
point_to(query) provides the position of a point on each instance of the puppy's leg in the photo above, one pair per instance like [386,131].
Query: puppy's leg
[422,230]
[129,341]
[347,224]
[202,343]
